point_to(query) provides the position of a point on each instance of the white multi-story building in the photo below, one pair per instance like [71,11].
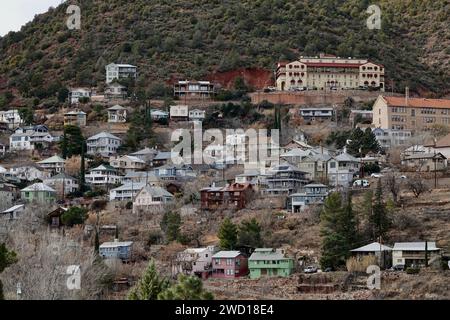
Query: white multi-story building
[11,118]
[54,164]
[127,164]
[76,94]
[126,192]
[117,114]
[329,72]
[197,115]
[27,138]
[103,175]
[388,138]
[120,71]
[104,144]
[179,112]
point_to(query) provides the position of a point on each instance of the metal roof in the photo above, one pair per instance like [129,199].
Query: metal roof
[414,246]
[372,247]
[226,254]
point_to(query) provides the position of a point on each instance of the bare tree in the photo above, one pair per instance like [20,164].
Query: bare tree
[393,186]
[417,186]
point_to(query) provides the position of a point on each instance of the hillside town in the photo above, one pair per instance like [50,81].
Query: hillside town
[292,189]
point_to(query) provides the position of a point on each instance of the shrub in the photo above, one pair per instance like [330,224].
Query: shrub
[360,265]
[74,216]
[412,270]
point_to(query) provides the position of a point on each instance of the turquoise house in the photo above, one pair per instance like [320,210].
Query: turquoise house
[269,262]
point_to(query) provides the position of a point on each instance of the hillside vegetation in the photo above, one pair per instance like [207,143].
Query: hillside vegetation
[192,39]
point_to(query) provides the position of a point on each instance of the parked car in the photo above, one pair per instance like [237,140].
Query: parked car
[310,269]
[398,267]
[376,175]
[361,183]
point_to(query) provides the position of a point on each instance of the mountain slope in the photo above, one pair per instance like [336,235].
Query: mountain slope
[186,39]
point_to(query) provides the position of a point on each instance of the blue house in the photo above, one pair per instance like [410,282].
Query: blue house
[116,250]
[314,194]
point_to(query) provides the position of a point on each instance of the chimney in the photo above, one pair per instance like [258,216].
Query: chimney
[407,96]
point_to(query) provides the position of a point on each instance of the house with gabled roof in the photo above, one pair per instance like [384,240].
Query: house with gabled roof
[117,114]
[414,253]
[38,193]
[103,175]
[342,169]
[152,199]
[382,252]
[270,262]
[103,143]
[53,165]
[125,164]
[229,265]
[62,183]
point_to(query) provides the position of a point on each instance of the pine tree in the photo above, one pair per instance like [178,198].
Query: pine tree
[187,288]
[228,235]
[379,219]
[249,234]
[170,224]
[339,231]
[149,286]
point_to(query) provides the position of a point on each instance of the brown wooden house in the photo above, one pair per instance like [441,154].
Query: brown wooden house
[54,217]
[236,195]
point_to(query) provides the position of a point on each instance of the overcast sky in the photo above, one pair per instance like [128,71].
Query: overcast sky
[16,13]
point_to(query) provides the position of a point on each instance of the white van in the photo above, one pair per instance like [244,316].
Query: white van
[361,183]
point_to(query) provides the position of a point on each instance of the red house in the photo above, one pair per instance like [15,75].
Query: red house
[235,196]
[229,265]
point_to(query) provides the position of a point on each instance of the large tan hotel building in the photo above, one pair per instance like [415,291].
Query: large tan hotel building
[327,71]
[414,114]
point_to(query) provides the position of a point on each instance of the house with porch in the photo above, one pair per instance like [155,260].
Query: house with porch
[125,164]
[146,154]
[75,118]
[194,261]
[103,175]
[152,200]
[229,265]
[342,169]
[179,113]
[197,115]
[414,253]
[63,184]
[424,162]
[283,179]
[269,262]
[122,250]
[126,192]
[117,114]
[235,196]
[53,165]
[75,94]
[38,193]
[103,143]
[115,91]
[314,194]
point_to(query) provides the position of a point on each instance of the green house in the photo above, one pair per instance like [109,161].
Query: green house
[269,262]
[38,193]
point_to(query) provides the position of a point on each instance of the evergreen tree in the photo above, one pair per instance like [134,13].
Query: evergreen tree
[72,141]
[7,258]
[249,234]
[339,231]
[379,219]
[170,224]
[187,288]
[149,286]
[228,235]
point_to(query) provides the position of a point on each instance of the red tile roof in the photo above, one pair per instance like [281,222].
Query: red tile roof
[417,102]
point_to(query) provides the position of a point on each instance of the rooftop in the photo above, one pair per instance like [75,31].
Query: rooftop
[414,246]
[226,254]
[372,247]
[417,102]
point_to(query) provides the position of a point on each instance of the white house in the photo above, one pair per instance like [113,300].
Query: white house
[29,172]
[314,194]
[76,94]
[120,71]
[103,175]
[62,183]
[103,143]
[197,115]
[117,114]
[11,118]
[127,163]
[54,164]
[413,253]
[179,112]
[13,212]
[151,200]
[126,192]
[115,90]
[159,114]
[342,169]
[194,261]
[28,138]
